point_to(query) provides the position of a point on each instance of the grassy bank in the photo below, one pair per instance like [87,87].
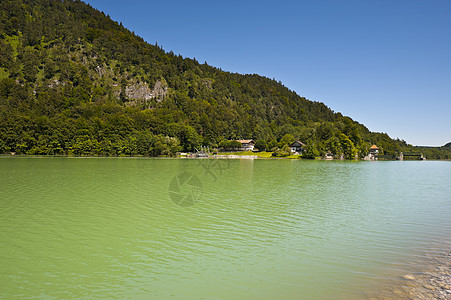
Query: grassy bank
[263,154]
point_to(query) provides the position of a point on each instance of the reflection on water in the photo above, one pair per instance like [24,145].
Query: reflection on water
[216,229]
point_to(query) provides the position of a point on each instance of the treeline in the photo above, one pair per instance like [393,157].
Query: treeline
[72,81]
[443,152]
[104,129]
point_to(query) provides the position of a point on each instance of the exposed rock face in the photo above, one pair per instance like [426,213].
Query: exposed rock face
[160,90]
[55,82]
[208,83]
[101,71]
[139,91]
[140,94]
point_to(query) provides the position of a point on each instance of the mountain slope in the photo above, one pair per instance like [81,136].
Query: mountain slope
[72,81]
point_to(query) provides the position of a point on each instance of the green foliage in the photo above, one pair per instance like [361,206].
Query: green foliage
[349,150]
[443,152]
[72,81]
[261,145]
[311,152]
[272,146]
[284,152]
[287,139]
[235,145]
[224,145]
[229,145]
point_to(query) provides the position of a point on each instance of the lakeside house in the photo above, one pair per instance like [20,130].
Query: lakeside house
[374,152]
[247,145]
[297,147]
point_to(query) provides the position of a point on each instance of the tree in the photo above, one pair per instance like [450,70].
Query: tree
[349,150]
[325,131]
[224,145]
[235,145]
[272,145]
[333,145]
[260,145]
[311,152]
[287,139]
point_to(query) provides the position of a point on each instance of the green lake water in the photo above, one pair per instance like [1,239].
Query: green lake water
[216,229]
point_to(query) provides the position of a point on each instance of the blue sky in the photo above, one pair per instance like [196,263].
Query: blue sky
[384,63]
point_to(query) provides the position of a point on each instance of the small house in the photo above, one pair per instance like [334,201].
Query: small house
[297,147]
[374,150]
[247,145]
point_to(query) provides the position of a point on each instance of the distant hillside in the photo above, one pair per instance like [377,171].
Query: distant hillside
[448,145]
[72,81]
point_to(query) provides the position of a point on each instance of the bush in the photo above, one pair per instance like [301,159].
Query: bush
[311,152]
[235,145]
[224,145]
[260,145]
[284,152]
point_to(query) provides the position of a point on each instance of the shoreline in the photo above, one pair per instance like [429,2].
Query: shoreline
[211,157]
[218,156]
[431,280]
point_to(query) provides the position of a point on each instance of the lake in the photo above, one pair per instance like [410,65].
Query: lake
[145,228]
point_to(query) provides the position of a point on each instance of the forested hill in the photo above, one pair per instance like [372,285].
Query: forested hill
[72,81]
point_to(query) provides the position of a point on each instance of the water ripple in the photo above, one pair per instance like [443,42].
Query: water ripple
[94,228]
